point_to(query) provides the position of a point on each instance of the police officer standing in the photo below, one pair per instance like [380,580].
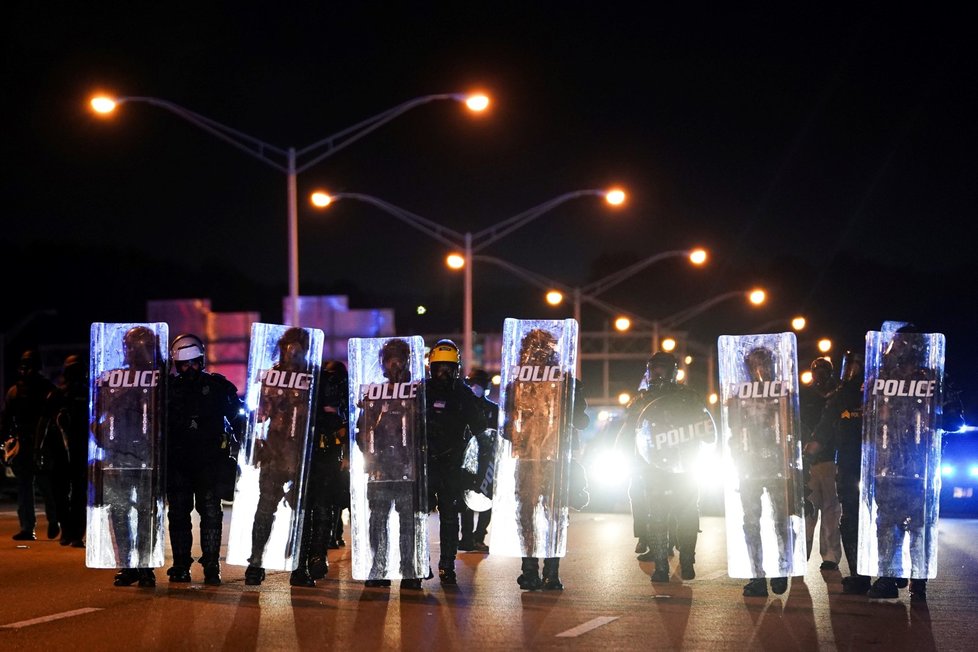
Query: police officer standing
[822,500]
[839,433]
[478,381]
[451,408]
[331,439]
[204,409]
[24,408]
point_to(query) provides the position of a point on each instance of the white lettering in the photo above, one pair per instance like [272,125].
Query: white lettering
[285,379]
[910,388]
[130,378]
[763,389]
[389,391]
[537,374]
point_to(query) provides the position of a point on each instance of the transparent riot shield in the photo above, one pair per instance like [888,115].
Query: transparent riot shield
[762,455]
[125,450]
[533,455]
[388,482]
[901,454]
[283,371]
[478,466]
[672,431]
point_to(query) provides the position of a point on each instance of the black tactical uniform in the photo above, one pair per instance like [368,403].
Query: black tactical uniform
[204,408]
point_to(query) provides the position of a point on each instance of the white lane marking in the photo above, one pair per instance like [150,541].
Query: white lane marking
[594,623]
[46,619]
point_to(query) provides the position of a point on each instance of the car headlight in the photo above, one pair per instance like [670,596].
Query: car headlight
[609,468]
[947,470]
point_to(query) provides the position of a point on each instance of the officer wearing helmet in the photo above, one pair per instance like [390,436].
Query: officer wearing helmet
[281,454]
[475,538]
[70,416]
[324,485]
[128,416]
[23,411]
[664,489]
[821,502]
[451,411]
[839,433]
[205,417]
[759,453]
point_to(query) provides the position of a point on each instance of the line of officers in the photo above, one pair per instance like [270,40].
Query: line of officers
[45,434]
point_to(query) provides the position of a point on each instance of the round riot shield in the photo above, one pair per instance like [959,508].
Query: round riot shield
[671,430]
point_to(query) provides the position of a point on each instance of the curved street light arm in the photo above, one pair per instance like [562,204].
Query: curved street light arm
[532,278]
[437,231]
[486,237]
[341,139]
[683,316]
[255,147]
[608,282]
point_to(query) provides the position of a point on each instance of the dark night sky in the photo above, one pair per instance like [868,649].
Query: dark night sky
[828,154]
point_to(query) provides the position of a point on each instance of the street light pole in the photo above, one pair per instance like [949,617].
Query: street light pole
[270,155]
[469,242]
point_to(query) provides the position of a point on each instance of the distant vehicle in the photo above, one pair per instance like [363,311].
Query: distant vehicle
[959,473]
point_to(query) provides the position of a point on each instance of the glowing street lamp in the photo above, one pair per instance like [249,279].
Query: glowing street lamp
[623,324]
[473,242]
[554,297]
[825,345]
[286,160]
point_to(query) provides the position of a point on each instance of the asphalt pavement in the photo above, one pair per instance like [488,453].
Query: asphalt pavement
[52,602]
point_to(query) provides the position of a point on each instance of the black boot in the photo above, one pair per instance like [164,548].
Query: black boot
[180,543]
[686,561]
[254,575]
[446,572]
[126,577]
[855,584]
[756,588]
[300,577]
[918,590]
[530,579]
[210,546]
[318,567]
[147,578]
[551,578]
[883,588]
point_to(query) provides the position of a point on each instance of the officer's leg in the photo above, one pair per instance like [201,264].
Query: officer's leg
[181,501]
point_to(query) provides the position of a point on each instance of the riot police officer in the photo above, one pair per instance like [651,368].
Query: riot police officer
[669,491]
[128,413]
[330,440]
[839,434]
[24,408]
[822,501]
[475,539]
[204,411]
[451,409]
[280,456]
[70,417]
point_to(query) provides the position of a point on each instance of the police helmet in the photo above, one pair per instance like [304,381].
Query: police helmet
[29,362]
[74,370]
[445,352]
[760,363]
[187,347]
[139,345]
[395,348]
[667,361]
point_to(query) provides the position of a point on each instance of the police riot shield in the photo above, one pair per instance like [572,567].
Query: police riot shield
[478,465]
[762,455]
[283,371]
[901,454]
[673,430]
[533,456]
[388,482]
[125,449]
